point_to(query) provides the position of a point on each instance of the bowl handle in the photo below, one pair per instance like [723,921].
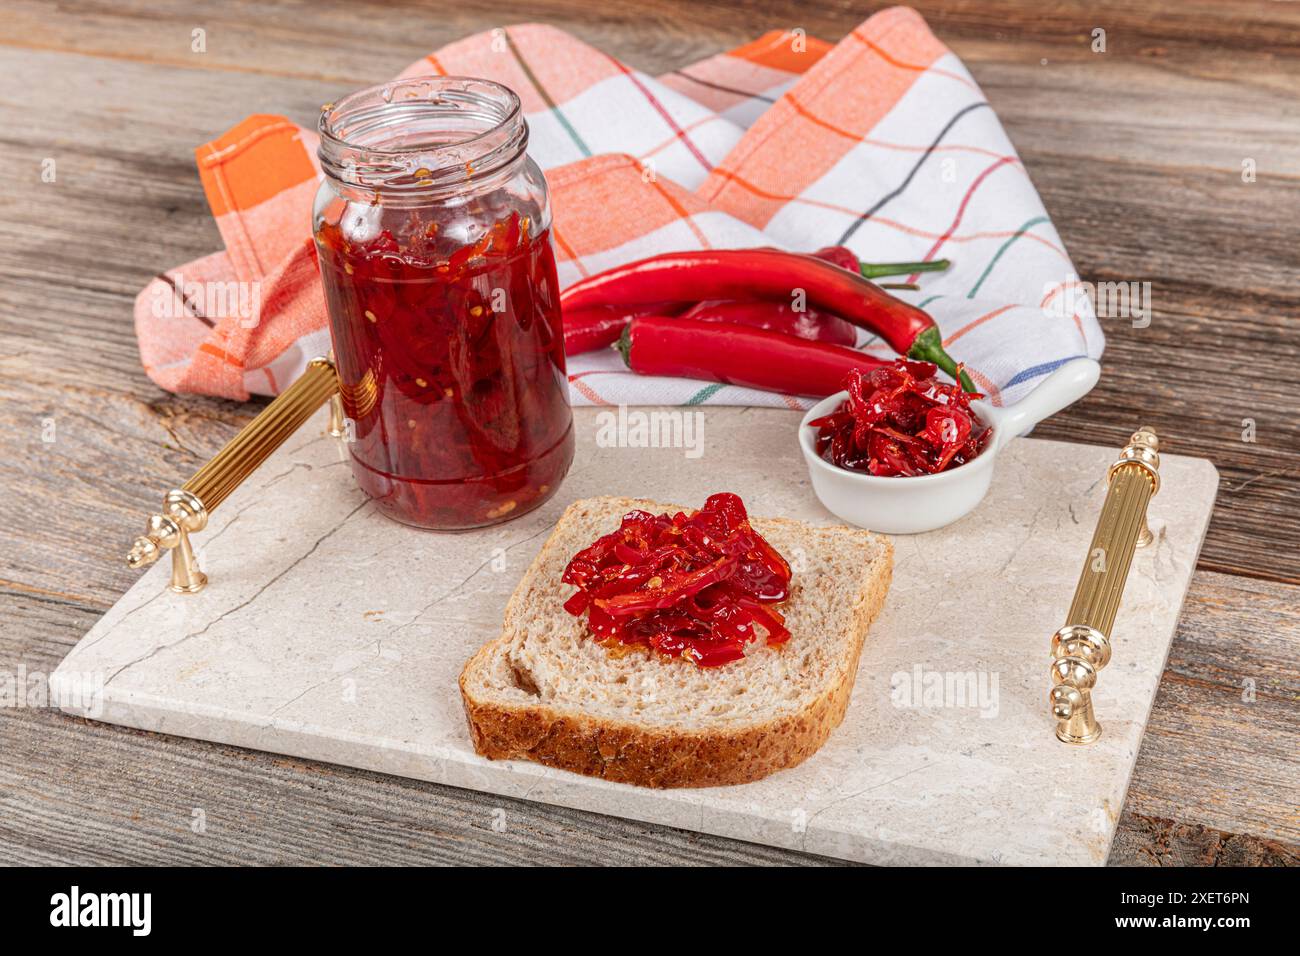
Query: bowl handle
[1063,387]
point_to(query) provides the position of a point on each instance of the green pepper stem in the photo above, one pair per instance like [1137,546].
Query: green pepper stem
[624,345]
[877,270]
[928,347]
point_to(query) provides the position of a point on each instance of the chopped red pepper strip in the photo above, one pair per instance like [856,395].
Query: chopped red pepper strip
[700,586]
[901,420]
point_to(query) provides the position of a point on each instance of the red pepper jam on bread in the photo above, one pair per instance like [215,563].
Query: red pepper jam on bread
[701,587]
[544,690]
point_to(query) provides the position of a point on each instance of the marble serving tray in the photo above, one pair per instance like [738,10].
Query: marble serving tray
[332,633]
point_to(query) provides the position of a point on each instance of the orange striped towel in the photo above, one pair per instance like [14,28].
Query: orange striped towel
[882,142]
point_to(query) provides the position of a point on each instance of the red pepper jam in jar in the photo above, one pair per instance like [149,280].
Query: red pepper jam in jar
[432,230]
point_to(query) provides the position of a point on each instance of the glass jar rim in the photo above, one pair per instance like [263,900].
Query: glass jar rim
[422,133]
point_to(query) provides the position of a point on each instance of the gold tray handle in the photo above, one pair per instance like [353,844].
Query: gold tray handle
[1081,648]
[186,509]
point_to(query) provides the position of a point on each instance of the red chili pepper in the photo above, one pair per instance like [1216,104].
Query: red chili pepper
[847,260]
[586,330]
[839,256]
[738,355]
[768,274]
[777,317]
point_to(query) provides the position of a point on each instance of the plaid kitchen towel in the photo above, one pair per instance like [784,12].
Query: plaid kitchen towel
[881,142]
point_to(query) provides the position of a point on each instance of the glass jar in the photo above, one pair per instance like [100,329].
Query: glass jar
[432,227]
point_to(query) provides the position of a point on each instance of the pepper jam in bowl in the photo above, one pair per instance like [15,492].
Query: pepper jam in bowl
[432,230]
[900,419]
[703,587]
[901,452]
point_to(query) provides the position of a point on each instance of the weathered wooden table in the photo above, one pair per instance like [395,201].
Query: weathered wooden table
[1139,154]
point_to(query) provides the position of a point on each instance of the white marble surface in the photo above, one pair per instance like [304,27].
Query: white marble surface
[330,632]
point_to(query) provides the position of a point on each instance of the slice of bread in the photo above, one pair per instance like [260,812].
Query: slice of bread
[545,691]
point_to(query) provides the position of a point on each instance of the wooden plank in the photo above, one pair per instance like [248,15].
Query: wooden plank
[1220,749]
[1150,841]
[343,41]
[1238,71]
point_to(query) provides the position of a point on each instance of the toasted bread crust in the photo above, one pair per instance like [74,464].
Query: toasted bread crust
[656,757]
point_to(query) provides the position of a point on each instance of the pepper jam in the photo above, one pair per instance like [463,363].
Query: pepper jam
[445,320]
[900,420]
[702,586]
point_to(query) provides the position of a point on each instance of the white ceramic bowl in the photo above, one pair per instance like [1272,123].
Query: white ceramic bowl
[903,505]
